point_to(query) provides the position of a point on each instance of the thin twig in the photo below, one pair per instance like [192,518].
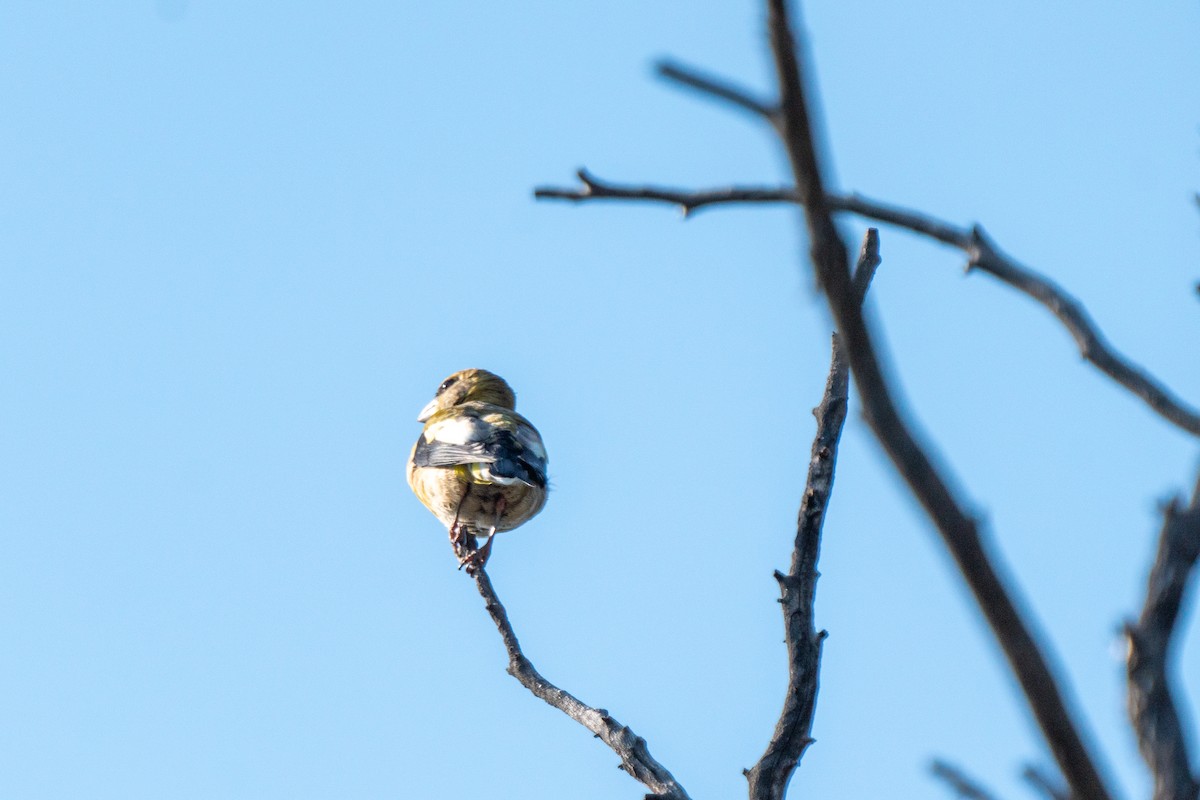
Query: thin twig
[1152,705]
[868,263]
[635,757]
[958,529]
[687,200]
[982,255]
[964,786]
[1093,346]
[1048,787]
[693,79]
[595,189]
[769,777]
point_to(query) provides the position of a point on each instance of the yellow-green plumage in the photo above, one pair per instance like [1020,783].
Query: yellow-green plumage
[478,465]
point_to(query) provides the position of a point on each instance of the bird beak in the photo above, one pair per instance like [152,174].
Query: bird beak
[428,411]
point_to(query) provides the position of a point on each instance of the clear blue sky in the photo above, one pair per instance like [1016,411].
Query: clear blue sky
[241,244]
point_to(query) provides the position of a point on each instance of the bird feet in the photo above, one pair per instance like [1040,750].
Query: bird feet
[475,561]
[470,556]
[462,542]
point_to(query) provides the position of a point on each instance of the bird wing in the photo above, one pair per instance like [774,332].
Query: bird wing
[499,438]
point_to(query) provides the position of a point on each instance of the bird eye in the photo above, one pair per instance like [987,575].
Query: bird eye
[446,384]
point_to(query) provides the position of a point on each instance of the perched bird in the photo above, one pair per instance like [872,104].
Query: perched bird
[479,466]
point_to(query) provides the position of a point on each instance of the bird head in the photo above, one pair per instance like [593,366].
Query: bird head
[470,385]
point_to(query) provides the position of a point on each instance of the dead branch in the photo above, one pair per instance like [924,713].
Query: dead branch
[1152,705]
[592,188]
[769,777]
[868,263]
[1049,788]
[929,483]
[963,786]
[981,253]
[635,756]
[694,79]
[958,529]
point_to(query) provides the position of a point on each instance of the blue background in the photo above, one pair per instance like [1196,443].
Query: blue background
[241,245]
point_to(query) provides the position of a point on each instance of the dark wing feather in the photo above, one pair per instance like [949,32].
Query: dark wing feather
[515,461]
[442,454]
[508,457]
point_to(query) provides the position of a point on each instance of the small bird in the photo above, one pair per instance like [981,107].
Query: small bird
[479,466]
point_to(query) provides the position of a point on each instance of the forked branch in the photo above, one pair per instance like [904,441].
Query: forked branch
[930,484]
[982,255]
[635,756]
[958,529]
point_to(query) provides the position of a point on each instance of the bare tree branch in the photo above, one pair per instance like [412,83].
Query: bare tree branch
[635,757]
[688,200]
[595,189]
[982,255]
[868,263]
[716,88]
[1048,787]
[769,777]
[1093,346]
[959,531]
[1152,704]
[962,785]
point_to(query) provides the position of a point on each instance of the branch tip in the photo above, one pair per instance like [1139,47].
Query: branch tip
[959,782]
[1050,787]
[715,88]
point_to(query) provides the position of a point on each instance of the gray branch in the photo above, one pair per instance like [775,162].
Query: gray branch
[958,529]
[592,188]
[715,87]
[769,777]
[959,782]
[635,757]
[981,253]
[1049,788]
[868,263]
[1152,705]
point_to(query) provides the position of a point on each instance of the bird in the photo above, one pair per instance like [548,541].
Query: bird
[478,465]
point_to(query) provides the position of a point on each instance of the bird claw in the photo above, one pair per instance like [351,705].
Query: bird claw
[463,544]
[471,563]
[475,558]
